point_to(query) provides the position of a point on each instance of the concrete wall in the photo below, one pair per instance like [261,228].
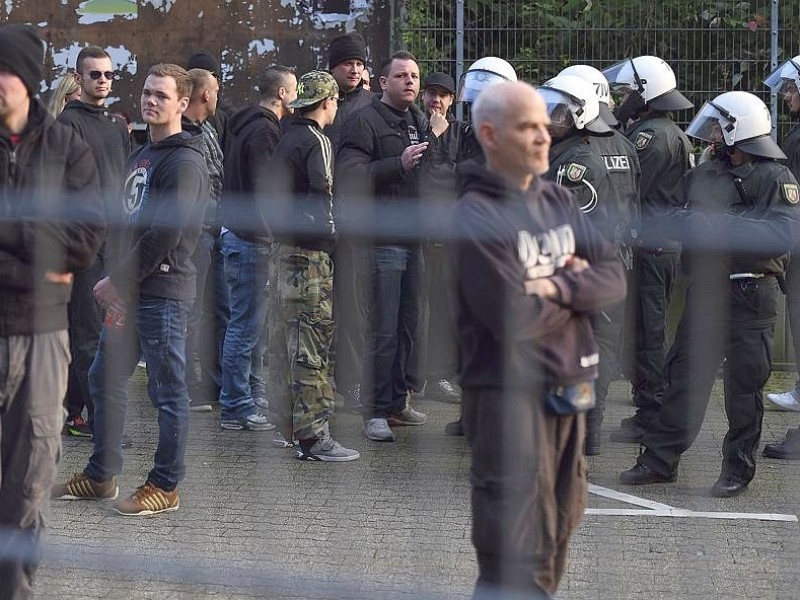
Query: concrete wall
[246,35]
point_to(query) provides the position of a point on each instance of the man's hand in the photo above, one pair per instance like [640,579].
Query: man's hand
[412,155]
[576,264]
[439,123]
[106,293]
[60,278]
[544,288]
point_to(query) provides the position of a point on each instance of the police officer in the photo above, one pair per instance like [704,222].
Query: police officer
[576,163]
[737,228]
[785,80]
[650,94]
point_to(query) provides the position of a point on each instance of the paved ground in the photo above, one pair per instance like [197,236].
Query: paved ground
[254,522]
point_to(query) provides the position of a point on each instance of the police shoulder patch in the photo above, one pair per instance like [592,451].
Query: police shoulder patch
[576,171]
[791,192]
[642,140]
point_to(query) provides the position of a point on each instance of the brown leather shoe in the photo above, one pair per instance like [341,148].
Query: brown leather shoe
[81,487]
[148,499]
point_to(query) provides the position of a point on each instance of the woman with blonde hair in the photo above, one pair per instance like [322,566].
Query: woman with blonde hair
[66,91]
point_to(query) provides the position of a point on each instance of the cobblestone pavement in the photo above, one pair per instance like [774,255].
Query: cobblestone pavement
[254,522]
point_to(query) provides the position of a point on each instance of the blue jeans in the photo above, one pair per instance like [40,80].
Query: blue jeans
[394,314]
[156,328]
[247,274]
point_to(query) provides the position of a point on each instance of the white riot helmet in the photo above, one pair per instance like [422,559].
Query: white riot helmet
[483,73]
[601,88]
[570,98]
[737,119]
[652,78]
[786,74]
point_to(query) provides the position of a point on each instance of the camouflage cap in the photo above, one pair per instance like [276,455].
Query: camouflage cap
[313,87]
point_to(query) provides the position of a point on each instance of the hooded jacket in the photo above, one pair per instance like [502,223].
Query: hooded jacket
[254,132]
[349,103]
[302,182]
[165,200]
[108,138]
[51,219]
[504,238]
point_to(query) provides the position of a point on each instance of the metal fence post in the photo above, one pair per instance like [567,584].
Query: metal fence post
[459,53]
[773,57]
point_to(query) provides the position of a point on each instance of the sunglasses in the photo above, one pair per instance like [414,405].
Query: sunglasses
[97,74]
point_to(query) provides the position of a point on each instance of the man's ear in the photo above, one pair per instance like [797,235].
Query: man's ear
[183,104]
[486,135]
[206,96]
[382,82]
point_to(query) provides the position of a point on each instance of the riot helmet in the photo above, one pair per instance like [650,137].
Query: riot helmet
[483,73]
[571,101]
[601,88]
[650,77]
[785,75]
[736,119]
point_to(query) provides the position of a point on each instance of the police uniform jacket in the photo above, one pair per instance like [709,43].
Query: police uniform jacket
[745,216]
[665,155]
[576,164]
[791,148]
[622,163]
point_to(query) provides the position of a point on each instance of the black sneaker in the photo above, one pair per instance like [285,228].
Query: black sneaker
[456,428]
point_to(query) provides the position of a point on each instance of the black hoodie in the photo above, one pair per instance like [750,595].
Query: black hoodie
[166,195]
[505,238]
[108,138]
[254,131]
[51,219]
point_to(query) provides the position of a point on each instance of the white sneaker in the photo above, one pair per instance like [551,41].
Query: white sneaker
[786,400]
[378,430]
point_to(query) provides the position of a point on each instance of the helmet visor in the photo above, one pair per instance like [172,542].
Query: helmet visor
[713,124]
[782,78]
[559,107]
[474,82]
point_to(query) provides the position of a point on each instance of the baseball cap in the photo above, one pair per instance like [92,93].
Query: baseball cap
[313,87]
[443,80]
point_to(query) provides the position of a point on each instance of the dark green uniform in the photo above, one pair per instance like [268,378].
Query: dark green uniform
[735,243]
[578,164]
[665,156]
[791,147]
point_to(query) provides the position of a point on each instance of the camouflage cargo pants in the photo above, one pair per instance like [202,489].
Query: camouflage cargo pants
[300,313]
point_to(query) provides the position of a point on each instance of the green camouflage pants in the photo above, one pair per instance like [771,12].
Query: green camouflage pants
[300,305]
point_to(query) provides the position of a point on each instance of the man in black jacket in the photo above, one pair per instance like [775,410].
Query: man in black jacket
[108,138]
[301,319]
[44,238]
[246,246]
[381,151]
[531,270]
[147,296]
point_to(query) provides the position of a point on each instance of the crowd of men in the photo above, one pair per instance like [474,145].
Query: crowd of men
[334,239]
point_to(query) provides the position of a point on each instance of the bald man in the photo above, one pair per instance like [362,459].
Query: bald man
[531,270]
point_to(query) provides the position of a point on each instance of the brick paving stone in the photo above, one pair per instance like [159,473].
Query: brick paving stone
[256,523]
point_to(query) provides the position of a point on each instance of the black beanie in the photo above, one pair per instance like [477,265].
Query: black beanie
[346,47]
[202,59]
[22,53]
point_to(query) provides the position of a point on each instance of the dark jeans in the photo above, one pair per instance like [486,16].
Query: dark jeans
[350,293]
[529,489]
[655,281]
[33,379]
[157,331]
[436,357]
[85,323]
[394,310]
[738,327]
[247,274]
[793,306]
[207,320]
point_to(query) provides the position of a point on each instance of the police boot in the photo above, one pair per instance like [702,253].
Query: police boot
[789,448]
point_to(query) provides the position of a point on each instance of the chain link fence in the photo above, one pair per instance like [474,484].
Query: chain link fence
[712,46]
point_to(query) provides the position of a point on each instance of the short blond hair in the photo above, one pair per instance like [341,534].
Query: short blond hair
[183,81]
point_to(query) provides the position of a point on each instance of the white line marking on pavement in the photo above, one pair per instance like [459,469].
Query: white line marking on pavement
[656,509]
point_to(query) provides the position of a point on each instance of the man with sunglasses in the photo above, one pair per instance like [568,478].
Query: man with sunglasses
[107,136]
